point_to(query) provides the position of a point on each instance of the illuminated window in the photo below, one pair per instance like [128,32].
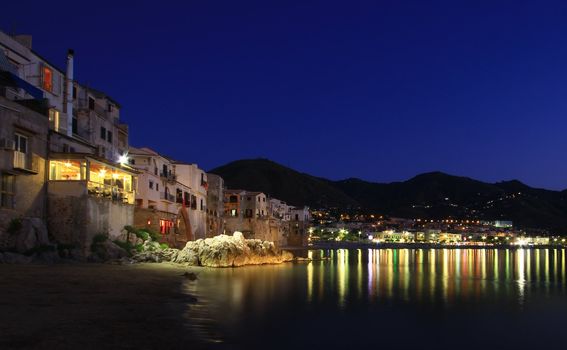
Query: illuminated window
[54,119]
[47,79]
[70,170]
[165,226]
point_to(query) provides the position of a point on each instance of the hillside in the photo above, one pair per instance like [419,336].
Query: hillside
[431,195]
[283,183]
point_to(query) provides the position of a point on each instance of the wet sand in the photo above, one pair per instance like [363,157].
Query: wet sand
[94,306]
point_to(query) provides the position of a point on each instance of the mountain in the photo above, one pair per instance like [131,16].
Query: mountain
[432,195]
[283,183]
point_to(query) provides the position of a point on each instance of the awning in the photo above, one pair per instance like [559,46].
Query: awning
[9,77]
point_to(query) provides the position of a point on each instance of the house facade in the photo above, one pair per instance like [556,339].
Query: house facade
[87,190]
[171,197]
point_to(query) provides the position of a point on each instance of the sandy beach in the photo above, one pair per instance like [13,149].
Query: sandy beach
[92,306]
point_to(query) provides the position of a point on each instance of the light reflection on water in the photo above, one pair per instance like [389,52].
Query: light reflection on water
[440,275]
[360,284]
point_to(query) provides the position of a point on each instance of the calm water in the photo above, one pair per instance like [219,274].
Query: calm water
[399,298]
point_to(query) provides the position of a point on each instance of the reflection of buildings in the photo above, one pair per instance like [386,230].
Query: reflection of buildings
[87,191]
[430,276]
[171,196]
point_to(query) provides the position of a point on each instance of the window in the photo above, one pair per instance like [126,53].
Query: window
[157,186]
[103,132]
[75,127]
[54,119]
[47,79]
[21,143]
[7,191]
[109,107]
[248,198]
[67,170]
[20,154]
[109,136]
[233,199]
[155,170]
[258,199]
[178,196]
[202,205]
[91,103]
[233,212]
[151,184]
[165,226]
[187,198]
[193,202]
[74,92]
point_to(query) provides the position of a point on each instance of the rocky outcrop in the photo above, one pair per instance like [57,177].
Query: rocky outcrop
[219,251]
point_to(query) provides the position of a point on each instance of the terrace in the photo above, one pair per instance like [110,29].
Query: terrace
[94,177]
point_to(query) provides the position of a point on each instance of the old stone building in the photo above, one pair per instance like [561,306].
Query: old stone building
[86,189]
[23,154]
[215,205]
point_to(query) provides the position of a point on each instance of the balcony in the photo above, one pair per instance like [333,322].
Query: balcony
[166,197]
[26,162]
[169,177]
[83,104]
[114,193]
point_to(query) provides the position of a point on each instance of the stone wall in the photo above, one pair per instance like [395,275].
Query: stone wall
[145,218]
[266,229]
[75,217]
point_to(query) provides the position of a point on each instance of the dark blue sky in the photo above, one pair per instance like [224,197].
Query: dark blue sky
[381,90]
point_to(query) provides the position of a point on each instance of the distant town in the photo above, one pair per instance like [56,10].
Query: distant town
[331,225]
[69,175]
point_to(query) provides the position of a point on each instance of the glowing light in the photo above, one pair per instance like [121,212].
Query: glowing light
[123,159]
[68,165]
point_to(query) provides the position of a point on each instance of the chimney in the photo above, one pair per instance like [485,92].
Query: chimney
[69,78]
[24,39]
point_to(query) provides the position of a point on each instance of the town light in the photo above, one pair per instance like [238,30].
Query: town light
[123,159]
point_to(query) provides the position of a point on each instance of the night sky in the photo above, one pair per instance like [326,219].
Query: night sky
[380,90]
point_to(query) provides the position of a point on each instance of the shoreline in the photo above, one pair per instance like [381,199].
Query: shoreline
[363,245]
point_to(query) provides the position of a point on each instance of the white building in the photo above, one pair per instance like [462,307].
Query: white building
[171,197]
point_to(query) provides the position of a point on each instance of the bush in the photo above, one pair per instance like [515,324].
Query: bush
[154,236]
[127,246]
[139,248]
[14,226]
[164,246]
[142,234]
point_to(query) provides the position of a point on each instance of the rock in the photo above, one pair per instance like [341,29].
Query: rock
[218,251]
[191,276]
[187,256]
[48,257]
[13,258]
[33,233]
[150,245]
[107,250]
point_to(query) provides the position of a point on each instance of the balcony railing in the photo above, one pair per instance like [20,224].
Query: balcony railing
[24,161]
[167,196]
[111,192]
[169,177]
